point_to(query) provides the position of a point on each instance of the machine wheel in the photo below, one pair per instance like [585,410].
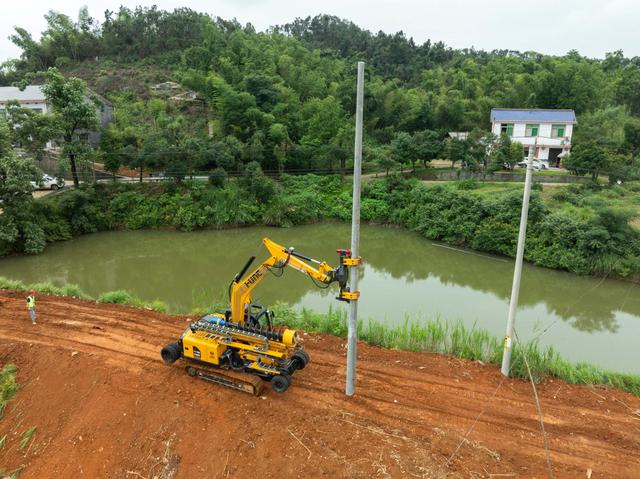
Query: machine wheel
[236,362]
[281,383]
[191,371]
[54,187]
[171,353]
[299,360]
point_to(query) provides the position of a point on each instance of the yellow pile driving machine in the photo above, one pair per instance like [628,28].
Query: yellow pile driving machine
[223,348]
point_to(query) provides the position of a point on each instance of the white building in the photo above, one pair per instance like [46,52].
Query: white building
[553,129]
[32,97]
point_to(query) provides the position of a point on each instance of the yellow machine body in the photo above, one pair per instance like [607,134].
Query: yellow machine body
[240,341]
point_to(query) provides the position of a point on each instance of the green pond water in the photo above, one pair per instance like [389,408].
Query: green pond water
[589,319]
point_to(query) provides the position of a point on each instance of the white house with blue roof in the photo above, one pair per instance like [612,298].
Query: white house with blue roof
[553,129]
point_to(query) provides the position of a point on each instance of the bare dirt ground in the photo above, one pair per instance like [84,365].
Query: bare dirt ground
[105,406]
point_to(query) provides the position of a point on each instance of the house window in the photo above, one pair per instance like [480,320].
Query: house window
[557,131]
[531,130]
[506,129]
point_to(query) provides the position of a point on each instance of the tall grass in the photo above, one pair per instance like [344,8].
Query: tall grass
[204,304]
[71,290]
[438,336]
[74,291]
[419,335]
[8,385]
[124,297]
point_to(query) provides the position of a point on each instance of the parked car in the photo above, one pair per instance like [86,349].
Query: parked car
[537,164]
[48,183]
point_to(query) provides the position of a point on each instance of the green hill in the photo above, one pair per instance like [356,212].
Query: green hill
[284,97]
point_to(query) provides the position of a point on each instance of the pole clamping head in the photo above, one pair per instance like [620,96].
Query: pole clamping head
[352,261]
[349,296]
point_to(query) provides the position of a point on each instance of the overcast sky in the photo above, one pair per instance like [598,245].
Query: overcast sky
[593,27]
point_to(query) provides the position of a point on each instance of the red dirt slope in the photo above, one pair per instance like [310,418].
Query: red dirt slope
[105,406]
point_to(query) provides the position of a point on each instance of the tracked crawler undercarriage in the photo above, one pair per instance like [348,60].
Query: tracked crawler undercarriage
[237,356]
[240,348]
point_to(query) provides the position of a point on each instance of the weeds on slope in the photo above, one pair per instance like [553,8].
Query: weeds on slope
[74,291]
[14,474]
[123,297]
[8,385]
[26,437]
[454,338]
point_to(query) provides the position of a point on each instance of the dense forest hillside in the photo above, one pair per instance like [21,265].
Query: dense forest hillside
[285,97]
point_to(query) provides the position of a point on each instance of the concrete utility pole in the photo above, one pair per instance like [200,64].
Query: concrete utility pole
[352,335]
[517,274]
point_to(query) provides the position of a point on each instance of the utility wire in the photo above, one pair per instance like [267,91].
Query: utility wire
[488,402]
[475,421]
[539,409]
[570,306]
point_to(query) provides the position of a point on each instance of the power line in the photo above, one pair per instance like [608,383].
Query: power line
[539,409]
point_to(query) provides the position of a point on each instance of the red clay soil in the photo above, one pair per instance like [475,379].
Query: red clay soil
[105,406]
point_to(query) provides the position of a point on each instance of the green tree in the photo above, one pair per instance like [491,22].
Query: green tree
[381,157]
[505,154]
[402,150]
[456,151]
[632,135]
[322,121]
[479,144]
[622,168]
[279,137]
[31,130]
[628,88]
[5,139]
[112,163]
[197,57]
[428,145]
[155,153]
[588,159]
[72,112]
[111,150]
[254,151]
[256,183]
[605,127]
[18,229]
[218,177]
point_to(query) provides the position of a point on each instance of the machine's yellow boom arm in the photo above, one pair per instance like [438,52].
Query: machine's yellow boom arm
[280,257]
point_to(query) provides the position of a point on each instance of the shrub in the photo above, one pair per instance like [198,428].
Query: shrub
[580,228]
[467,184]
[218,177]
[125,298]
[116,297]
[257,184]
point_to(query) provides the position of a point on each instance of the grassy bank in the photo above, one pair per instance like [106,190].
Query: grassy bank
[426,335]
[74,291]
[474,344]
[583,229]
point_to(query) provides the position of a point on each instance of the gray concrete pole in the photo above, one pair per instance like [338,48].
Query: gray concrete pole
[352,334]
[517,274]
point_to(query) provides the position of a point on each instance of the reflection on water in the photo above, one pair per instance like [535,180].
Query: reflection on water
[591,319]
